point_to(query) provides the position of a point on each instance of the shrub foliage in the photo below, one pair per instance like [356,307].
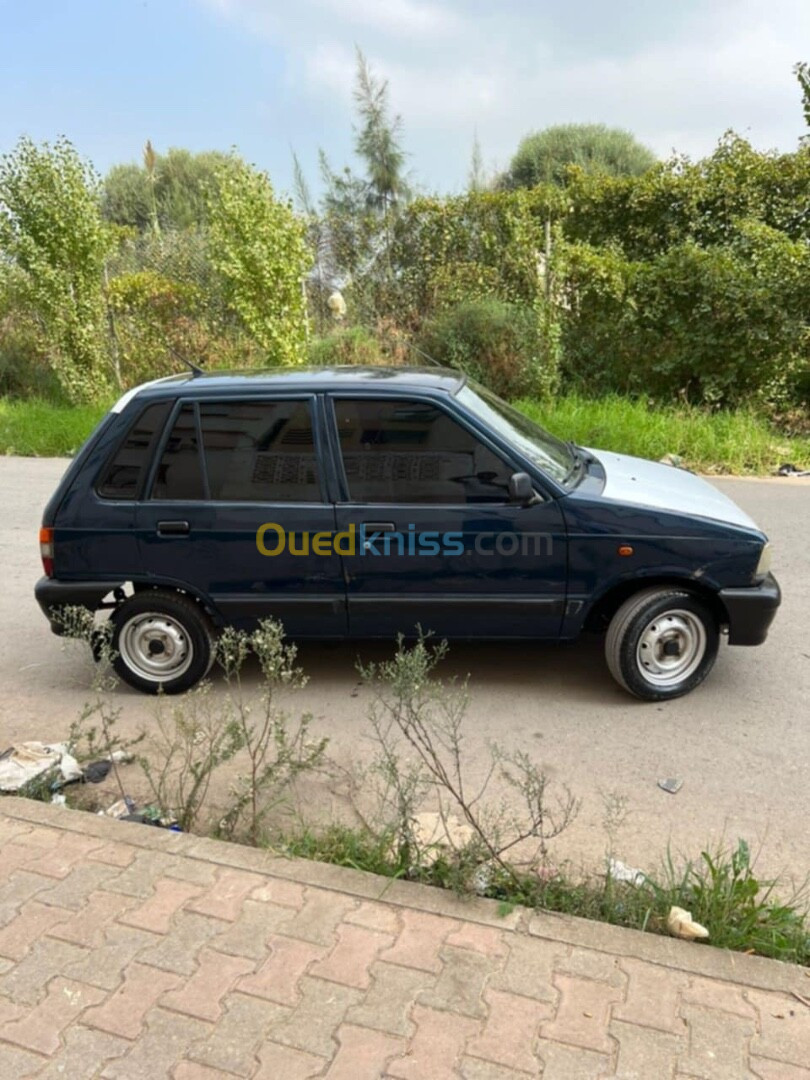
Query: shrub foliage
[689,281]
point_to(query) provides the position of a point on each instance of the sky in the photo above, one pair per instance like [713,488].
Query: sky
[270,77]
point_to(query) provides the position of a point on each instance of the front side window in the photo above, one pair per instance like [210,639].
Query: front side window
[541,448]
[413,452]
[260,451]
[125,474]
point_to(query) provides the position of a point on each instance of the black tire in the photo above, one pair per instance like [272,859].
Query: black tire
[644,630]
[163,642]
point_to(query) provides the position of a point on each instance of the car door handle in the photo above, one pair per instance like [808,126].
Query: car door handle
[371,528]
[173,528]
[378,526]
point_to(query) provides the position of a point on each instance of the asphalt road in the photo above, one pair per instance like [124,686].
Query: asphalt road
[740,743]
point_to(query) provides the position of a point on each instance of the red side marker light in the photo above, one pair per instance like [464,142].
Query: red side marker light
[625,549]
[46,550]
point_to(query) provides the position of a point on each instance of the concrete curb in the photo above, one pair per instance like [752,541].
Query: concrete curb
[705,960]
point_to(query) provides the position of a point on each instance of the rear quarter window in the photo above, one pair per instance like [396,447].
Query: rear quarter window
[124,475]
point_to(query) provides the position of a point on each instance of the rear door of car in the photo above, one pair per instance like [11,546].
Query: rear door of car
[94,511]
[437,540]
[226,467]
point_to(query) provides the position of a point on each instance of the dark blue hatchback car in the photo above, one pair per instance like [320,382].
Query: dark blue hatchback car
[362,502]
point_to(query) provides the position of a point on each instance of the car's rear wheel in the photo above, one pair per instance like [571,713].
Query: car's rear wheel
[162,641]
[662,643]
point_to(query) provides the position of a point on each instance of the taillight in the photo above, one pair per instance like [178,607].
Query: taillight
[46,550]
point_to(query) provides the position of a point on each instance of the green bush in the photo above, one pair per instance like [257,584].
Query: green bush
[498,343]
[24,367]
[720,325]
[349,345]
[469,246]
[547,156]
[702,201]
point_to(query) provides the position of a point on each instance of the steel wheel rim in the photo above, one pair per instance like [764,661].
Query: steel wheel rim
[671,647]
[155,646]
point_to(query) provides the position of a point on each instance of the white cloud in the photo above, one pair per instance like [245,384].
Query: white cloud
[398,17]
[677,78]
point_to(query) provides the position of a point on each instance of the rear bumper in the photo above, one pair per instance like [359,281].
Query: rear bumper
[51,595]
[751,611]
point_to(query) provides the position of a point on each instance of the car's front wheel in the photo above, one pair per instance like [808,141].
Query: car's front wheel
[162,641]
[662,643]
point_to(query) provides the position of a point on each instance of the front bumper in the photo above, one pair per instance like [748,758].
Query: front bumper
[751,611]
[51,595]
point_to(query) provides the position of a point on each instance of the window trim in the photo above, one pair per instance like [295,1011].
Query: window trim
[425,399]
[157,457]
[149,496]
[308,399]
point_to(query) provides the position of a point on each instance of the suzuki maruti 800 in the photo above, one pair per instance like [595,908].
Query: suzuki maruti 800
[362,502]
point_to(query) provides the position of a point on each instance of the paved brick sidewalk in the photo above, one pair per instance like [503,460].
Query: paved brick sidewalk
[130,952]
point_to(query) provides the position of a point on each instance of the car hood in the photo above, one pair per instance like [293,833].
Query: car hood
[648,483]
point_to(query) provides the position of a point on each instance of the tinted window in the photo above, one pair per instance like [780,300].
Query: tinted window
[410,451]
[179,474]
[260,451]
[124,476]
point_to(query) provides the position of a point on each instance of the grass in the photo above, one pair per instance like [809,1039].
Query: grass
[340,845]
[36,428]
[720,889]
[737,442]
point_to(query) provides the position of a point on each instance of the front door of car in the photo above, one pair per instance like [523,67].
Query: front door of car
[437,541]
[226,469]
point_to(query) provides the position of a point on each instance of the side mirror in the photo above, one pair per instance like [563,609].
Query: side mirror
[521,490]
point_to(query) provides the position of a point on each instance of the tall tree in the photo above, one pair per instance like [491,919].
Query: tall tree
[378,141]
[169,191]
[51,230]
[149,163]
[358,209]
[544,156]
[476,179]
[802,73]
[258,247]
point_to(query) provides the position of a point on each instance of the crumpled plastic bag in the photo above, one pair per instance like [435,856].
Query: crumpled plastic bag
[681,925]
[24,762]
[620,871]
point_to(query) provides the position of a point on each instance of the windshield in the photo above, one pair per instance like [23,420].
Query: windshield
[541,448]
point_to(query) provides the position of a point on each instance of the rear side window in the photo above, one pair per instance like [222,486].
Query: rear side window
[179,474]
[260,451]
[124,476]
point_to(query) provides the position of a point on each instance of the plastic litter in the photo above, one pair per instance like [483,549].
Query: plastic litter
[120,808]
[620,871]
[24,762]
[21,764]
[97,771]
[672,785]
[791,470]
[432,833]
[70,769]
[681,925]
[126,809]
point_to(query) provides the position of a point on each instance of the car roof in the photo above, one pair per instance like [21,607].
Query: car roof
[310,379]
